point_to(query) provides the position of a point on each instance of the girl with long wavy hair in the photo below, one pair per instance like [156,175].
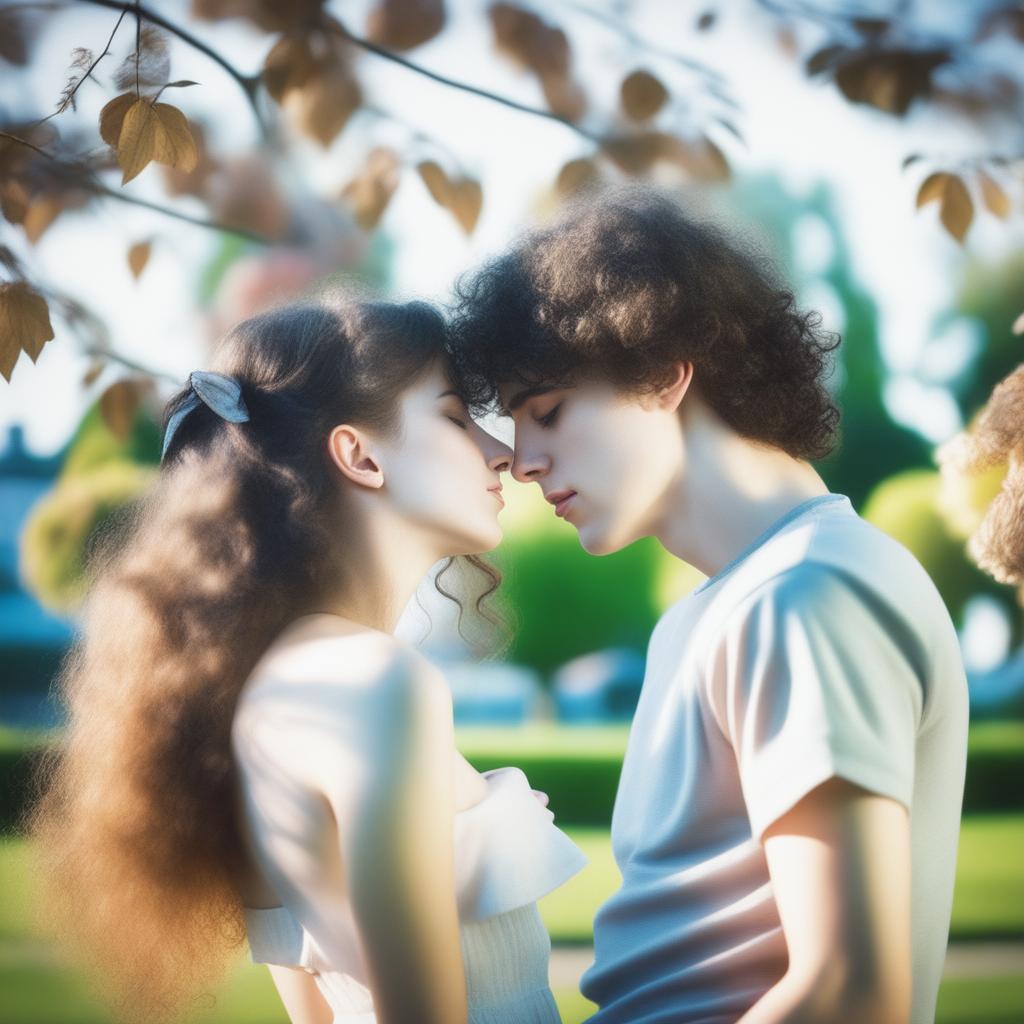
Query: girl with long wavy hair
[250,752]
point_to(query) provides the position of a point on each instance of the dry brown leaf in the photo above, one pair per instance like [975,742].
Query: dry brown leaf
[288,65]
[515,32]
[118,406]
[467,199]
[995,198]
[638,152]
[714,166]
[269,15]
[957,210]
[323,106]
[175,146]
[193,183]
[889,79]
[933,187]
[112,117]
[154,131]
[403,24]
[369,193]
[576,176]
[564,97]
[436,180]
[530,42]
[242,193]
[14,200]
[138,257]
[642,95]
[15,32]
[96,367]
[24,324]
[44,209]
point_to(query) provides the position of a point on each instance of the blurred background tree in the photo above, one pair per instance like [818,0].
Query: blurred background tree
[291,154]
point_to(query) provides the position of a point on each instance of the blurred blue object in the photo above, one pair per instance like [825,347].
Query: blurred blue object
[999,692]
[32,640]
[494,693]
[603,686]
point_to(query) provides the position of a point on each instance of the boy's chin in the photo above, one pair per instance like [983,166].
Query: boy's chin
[598,542]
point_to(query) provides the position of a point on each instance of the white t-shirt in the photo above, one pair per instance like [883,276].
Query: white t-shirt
[822,650]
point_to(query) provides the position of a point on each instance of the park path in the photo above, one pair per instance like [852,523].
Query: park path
[963,960]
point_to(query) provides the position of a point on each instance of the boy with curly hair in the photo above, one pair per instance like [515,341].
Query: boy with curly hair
[787,817]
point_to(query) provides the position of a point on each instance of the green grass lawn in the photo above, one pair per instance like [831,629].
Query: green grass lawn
[989,902]
[36,995]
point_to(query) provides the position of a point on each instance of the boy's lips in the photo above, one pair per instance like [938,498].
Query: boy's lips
[561,500]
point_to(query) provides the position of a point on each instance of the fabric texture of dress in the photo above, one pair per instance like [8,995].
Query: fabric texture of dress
[508,854]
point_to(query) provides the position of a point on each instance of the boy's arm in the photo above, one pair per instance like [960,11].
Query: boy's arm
[839,862]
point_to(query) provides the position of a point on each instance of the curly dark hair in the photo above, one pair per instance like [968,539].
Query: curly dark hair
[624,285]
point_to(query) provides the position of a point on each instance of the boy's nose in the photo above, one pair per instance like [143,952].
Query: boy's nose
[527,468]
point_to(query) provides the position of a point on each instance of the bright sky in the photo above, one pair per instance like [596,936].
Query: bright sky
[803,132]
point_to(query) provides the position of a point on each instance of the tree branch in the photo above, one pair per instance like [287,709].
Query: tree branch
[474,90]
[93,185]
[690,63]
[130,364]
[246,83]
[69,99]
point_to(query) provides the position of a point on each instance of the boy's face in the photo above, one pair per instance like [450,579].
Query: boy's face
[614,454]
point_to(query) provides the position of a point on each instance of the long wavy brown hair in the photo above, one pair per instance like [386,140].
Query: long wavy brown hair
[134,825]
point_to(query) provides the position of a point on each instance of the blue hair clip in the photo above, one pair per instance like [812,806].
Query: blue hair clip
[221,393]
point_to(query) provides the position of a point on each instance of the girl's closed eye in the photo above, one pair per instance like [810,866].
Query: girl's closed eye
[458,422]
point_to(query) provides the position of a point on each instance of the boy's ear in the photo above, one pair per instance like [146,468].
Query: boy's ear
[350,451]
[671,395]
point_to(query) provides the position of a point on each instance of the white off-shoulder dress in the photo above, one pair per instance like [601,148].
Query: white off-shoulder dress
[508,854]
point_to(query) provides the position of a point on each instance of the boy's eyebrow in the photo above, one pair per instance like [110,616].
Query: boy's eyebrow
[526,394]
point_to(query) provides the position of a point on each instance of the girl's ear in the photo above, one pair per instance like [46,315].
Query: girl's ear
[350,450]
[671,395]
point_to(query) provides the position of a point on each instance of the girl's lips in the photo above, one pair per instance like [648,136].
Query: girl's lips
[564,504]
[497,494]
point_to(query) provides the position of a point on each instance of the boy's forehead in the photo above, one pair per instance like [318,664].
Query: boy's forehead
[513,394]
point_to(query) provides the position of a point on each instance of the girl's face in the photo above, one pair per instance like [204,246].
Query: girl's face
[441,472]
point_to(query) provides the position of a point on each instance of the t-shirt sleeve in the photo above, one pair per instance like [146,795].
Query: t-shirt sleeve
[816,676]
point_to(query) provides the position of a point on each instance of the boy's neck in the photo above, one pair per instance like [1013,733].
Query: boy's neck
[728,492]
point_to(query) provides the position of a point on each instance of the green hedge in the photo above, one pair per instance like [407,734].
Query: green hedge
[578,766]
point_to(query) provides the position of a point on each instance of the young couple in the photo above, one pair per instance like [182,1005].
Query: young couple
[252,753]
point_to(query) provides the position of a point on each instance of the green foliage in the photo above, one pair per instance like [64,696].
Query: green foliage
[872,444]
[578,766]
[994,296]
[60,531]
[906,506]
[570,602]
[101,474]
[93,444]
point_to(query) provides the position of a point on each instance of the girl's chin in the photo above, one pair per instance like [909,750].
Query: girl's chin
[477,543]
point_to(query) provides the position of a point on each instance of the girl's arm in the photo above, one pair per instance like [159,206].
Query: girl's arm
[302,1000]
[399,851]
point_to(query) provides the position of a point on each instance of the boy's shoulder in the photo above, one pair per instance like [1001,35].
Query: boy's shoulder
[832,551]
